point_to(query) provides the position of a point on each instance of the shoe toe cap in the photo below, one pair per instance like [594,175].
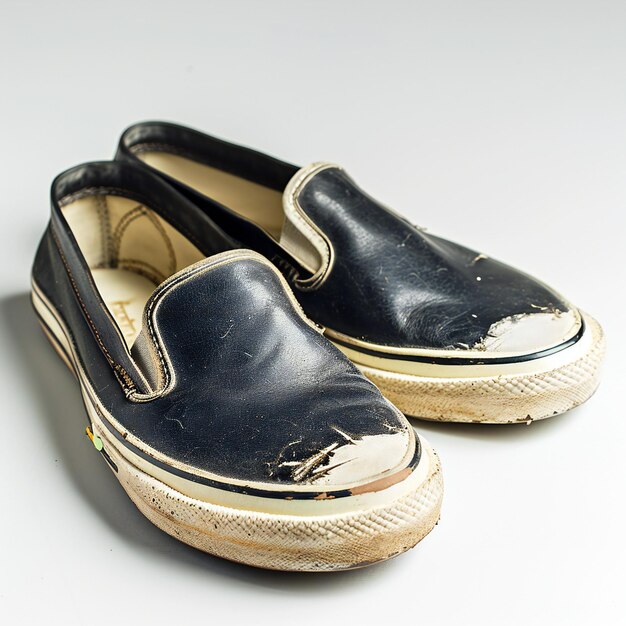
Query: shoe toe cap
[355,460]
[531,332]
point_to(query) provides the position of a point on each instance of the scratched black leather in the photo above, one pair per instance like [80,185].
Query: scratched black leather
[390,283]
[254,384]
[394,284]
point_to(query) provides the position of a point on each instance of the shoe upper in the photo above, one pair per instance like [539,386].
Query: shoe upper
[394,284]
[227,381]
[360,269]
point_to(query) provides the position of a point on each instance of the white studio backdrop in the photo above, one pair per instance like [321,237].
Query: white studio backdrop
[499,124]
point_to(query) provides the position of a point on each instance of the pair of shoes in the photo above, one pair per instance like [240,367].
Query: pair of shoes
[196,289]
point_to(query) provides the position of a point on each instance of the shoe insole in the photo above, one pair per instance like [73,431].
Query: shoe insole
[125,293]
[259,204]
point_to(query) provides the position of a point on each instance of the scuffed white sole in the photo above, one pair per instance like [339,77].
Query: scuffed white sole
[289,542]
[375,530]
[545,388]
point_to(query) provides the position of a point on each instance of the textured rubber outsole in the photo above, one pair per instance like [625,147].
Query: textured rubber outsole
[288,542]
[330,542]
[503,399]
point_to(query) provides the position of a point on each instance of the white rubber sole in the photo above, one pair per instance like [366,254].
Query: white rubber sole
[331,536]
[534,390]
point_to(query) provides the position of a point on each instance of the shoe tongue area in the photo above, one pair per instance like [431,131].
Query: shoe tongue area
[299,236]
[320,202]
[186,308]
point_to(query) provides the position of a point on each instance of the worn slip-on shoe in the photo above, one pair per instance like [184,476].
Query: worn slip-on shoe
[228,418]
[446,332]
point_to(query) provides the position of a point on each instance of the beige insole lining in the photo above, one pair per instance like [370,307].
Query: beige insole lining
[130,250]
[125,293]
[259,204]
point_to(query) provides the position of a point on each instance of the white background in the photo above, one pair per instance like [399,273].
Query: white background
[499,124]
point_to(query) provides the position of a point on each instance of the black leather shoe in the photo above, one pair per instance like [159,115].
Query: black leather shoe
[447,333]
[229,419]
